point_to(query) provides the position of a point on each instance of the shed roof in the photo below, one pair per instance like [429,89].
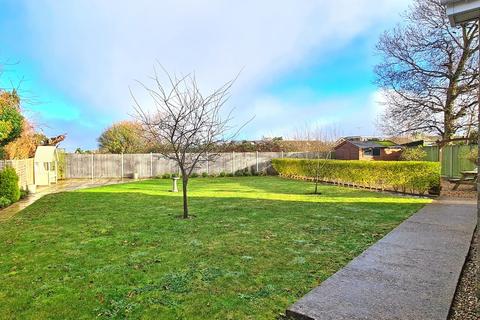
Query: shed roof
[45,154]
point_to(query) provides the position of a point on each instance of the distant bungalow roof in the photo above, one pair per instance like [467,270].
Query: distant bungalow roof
[373,144]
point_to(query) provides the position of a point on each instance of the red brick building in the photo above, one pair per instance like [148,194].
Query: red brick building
[361,149]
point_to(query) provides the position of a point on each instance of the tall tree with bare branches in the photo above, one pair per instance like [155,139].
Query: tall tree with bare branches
[188,122]
[428,74]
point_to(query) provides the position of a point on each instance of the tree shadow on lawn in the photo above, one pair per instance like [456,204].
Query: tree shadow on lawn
[124,254]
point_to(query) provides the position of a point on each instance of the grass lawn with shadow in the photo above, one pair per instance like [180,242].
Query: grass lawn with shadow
[255,245]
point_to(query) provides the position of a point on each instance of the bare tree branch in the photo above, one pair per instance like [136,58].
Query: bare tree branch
[428,74]
[190,124]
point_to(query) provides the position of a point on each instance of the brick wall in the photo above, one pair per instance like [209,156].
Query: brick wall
[347,151]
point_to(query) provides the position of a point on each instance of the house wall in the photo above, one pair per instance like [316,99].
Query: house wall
[390,154]
[386,154]
[347,151]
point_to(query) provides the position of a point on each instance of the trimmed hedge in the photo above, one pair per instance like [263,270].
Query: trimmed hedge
[9,184]
[405,176]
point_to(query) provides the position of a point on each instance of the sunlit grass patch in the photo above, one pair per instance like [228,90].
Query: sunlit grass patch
[256,244]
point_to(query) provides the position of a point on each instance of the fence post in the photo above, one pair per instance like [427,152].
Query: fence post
[451,161]
[208,165]
[282,154]
[93,169]
[233,162]
[151,165]
[256,161]
[122,167]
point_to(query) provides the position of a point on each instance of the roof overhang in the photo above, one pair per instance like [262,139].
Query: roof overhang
[462,11]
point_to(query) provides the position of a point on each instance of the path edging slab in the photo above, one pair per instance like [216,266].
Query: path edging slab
[411,273]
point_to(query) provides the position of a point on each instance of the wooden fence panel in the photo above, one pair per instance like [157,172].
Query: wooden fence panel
[79,166]
[154,165]
[107,165]
[162,165]
[454,159]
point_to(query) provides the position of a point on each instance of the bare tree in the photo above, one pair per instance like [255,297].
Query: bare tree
[319,143]
[428,74]
[187,122]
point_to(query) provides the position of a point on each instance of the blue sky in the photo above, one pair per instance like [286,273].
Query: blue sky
[305,63]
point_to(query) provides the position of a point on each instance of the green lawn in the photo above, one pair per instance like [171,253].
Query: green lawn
[255,246]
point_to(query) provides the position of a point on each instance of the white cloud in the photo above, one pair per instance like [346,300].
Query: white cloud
[93,50]
[352,115]
[377,103]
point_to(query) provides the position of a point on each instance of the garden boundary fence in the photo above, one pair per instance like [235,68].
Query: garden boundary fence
[454,159]
[153,165]
[24,169]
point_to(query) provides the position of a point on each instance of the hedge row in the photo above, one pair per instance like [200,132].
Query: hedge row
[405,176]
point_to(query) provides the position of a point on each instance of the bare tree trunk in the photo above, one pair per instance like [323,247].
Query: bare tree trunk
[449,123]
[185,197]
[188,124]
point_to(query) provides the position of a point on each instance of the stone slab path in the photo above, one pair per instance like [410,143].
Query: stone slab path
[62,185]
[411,273]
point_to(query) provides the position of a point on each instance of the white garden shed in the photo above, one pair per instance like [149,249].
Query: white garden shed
[46,165]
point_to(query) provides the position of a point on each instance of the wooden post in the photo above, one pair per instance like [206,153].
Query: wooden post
[122,167]
[151,165]
[233,162]
[256,160]
[208,165]
[282,154]
[451,160]
[93,169]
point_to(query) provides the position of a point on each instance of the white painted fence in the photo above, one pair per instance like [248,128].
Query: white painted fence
[154,165]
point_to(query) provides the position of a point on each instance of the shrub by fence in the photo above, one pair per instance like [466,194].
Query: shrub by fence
[405,176]
[24,169]
[9,188]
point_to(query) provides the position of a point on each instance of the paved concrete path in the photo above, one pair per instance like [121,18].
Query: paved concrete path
[62,185]
[410,274]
